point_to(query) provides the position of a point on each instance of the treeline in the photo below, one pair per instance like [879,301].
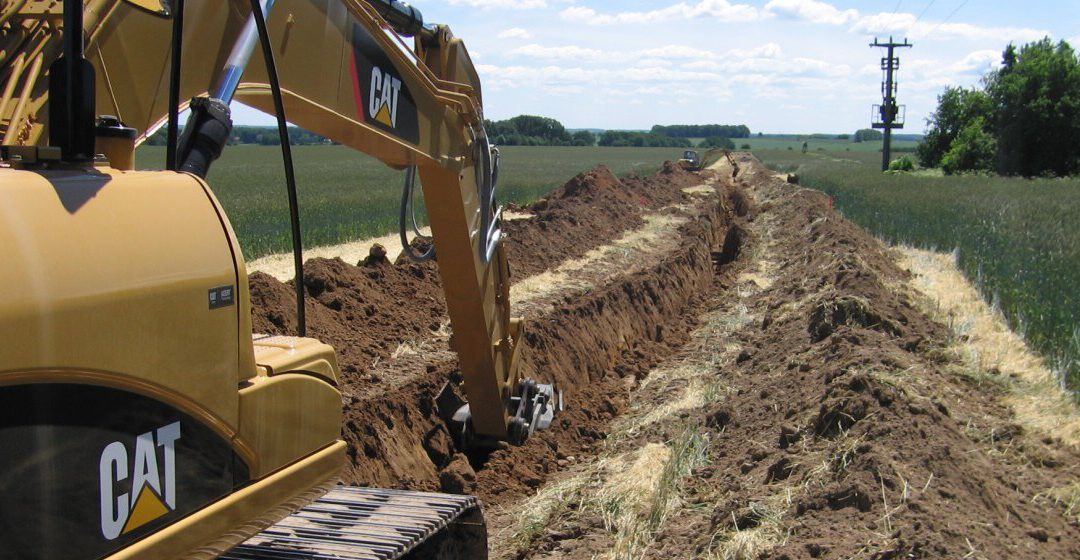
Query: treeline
[529,130]
[260,135]
[627,138]
[1024,120]
[702,131]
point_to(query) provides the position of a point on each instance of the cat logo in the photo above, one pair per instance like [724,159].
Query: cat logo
[383,97]
[151,485]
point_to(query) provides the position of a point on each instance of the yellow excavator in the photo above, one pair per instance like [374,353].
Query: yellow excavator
[140,417]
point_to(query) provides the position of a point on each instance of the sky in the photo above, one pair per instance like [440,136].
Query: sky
[778,66]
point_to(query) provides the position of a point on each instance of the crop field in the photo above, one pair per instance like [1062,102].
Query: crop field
[346,196]
[820,144]
[1018,240]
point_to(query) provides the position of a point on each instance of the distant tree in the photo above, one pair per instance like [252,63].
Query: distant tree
[1036,96]
[867,135]
[717,142]
[158,138]
[957,108]
[624,138]
[702,130]
[584,138]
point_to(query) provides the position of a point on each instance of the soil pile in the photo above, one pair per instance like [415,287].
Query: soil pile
[387,323]
[843,428]
[590,210]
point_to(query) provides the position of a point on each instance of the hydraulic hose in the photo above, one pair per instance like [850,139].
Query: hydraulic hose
[174,86]
[286,155]
[407,208]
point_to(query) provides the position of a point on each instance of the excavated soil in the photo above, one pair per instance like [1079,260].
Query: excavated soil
[840,427]
[387,323]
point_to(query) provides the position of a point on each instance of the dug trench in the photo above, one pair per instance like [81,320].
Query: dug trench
[817,411]
[617,268]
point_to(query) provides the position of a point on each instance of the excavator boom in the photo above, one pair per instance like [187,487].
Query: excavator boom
[132,382]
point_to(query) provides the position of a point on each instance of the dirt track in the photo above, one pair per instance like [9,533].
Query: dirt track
[759,361]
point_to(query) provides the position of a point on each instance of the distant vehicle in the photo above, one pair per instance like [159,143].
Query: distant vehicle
[690,161]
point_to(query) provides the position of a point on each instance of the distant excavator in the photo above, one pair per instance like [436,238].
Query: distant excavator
[692,161]
[140,417]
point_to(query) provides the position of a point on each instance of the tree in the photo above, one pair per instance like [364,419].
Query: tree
[867,135]
[717,142]
[957,109]
[973,149]
[584,138]
[1036,96]
[702,130]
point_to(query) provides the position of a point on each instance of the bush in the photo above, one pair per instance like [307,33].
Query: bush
[717,142]
[902,164]
[745,147]
[974,149]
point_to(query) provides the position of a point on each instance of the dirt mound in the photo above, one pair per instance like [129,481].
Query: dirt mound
[590,210]
[845,433]
[387,323]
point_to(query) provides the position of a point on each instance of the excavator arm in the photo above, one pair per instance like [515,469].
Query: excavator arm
[147,420]
[346,73]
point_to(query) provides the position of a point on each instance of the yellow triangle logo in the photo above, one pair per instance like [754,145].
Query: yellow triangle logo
[147,508]
[384,115]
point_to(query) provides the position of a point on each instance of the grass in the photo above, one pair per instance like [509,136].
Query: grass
[1018,240]
[815,144]
[346,196]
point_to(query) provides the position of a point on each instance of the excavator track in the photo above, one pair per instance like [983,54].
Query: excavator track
[373,524]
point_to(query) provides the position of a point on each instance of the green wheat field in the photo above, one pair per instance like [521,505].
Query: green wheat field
[1017,239]
[346,196]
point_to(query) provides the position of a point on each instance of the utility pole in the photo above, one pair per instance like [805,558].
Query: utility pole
[888,115]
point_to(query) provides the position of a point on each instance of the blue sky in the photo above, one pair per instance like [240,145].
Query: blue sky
[775,65]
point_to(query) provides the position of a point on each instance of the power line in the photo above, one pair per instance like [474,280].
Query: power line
[897,8]
[947,18]
[923,12]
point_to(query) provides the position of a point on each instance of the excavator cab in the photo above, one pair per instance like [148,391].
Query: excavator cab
[140,417]
[690,161]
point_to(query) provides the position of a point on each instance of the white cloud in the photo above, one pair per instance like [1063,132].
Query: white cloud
[565,53]
[812,11]
[510,4]
[907,25]
[719,9]
[768,50]
[514,33]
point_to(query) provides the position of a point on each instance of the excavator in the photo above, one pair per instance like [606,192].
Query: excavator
[140,416]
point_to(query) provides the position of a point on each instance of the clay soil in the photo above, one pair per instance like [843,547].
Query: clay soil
[840,427]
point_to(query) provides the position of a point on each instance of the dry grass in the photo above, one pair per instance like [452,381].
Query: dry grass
[767,531]
[536,514]
[280,265]
[703,189]
[982,339]
[639,490]
[657,235]
[1067,497]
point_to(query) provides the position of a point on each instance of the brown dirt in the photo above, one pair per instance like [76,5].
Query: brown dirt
[842,397]
[844,422]
[367,312]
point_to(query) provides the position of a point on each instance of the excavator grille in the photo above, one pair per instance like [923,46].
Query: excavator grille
[361,524]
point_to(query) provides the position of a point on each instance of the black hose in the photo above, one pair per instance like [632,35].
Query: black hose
[286,155]
[174,86]
[403,217]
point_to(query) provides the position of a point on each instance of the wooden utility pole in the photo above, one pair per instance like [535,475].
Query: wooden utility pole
[888,115]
